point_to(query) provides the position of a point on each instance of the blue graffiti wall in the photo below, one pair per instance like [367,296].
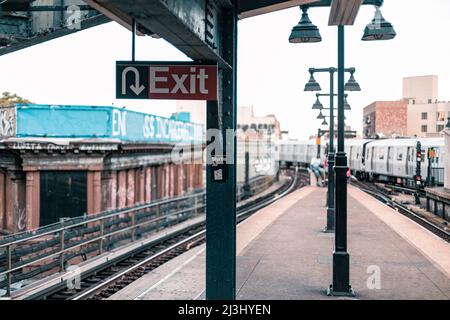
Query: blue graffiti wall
[103,122]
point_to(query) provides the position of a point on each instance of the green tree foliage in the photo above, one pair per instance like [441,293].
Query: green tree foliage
[8,99]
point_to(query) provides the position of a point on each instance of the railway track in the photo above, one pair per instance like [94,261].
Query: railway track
[383,196]
[108,278]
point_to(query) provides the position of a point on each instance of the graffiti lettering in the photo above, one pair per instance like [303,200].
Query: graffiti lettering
[7,122]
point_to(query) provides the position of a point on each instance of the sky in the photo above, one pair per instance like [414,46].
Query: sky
[79,69]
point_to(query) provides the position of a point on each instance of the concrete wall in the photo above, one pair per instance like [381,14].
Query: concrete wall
[437,114]
[421,89]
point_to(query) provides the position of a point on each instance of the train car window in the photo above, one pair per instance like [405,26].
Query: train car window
[399,155]
[381,154]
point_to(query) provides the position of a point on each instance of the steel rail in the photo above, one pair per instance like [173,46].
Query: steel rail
[240,217]
[435,229]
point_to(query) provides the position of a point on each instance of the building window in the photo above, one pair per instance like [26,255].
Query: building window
[424,116]
[440,116]
[429,101]
[439,127]
[424,128]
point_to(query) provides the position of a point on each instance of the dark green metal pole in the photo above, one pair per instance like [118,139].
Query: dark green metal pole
[221,195]
[330,201]
[133,40]
[341,258]
[319,136]
[246,189]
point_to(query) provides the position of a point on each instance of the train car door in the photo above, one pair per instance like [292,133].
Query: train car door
[410,162]
[390,163]
[63,194]
[372,155]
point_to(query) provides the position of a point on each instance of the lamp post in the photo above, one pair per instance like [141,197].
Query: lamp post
[305,32]
[313,85]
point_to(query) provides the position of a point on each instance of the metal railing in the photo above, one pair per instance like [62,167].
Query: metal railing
[257,185]
[436,177]
[28,254]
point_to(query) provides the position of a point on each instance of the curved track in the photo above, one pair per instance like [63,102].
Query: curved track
[384,197]
[115,275]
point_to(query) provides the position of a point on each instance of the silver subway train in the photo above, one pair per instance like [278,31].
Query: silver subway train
[387,160]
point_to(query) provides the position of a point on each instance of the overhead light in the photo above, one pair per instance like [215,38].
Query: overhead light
[324,123]
[305,31]
[352,85]
[317,105]
[320,116]
[346,105]
[312,84]
[379,28]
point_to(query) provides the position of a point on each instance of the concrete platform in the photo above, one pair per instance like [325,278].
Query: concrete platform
[282,254]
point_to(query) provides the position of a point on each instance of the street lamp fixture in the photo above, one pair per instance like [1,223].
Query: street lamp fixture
[320,116]
[379,28]
[317,105]
[305,31]
[325,123]
[312,84]
[352,85]
[346,105]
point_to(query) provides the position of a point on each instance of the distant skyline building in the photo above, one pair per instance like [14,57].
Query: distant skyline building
[419,113]
[249,126]
[420,89]
[385,119]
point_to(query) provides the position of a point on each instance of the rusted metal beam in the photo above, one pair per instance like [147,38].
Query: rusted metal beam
[191,26]
[249,9]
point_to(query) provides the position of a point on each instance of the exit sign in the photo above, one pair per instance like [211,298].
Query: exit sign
[166,80]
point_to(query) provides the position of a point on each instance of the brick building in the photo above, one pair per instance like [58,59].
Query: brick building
[385,118]
[67,161]
[419,113]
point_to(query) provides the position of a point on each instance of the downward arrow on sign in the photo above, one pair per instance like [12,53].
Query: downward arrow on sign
[137,88]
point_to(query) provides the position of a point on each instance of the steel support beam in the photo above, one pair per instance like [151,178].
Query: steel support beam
[249,9]
[221,195]
[191,26]
[27,23]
